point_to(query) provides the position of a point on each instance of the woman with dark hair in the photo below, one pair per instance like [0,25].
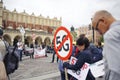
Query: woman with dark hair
[15,42]
[83,57]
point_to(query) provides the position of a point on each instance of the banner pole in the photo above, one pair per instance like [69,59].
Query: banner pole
[66,76]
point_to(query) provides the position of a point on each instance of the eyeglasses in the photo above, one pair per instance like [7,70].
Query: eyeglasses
[96,28]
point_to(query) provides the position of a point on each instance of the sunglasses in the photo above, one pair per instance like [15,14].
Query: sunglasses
[96,28]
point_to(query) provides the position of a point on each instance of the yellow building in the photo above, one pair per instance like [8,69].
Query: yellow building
[88,32]
[40,26]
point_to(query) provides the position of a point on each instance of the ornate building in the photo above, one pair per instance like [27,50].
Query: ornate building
[88,32]
[12,21]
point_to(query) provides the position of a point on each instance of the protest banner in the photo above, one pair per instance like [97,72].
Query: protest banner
[98,68]
[80,74]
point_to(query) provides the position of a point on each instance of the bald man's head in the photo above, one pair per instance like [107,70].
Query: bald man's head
[102,20]
[102,14]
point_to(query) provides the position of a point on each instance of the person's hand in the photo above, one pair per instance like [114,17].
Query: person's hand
[65,65]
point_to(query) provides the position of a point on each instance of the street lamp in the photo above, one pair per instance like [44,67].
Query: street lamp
[93,34]
[93,31]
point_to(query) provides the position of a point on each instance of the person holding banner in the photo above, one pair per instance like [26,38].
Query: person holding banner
[83,57]
[108,26]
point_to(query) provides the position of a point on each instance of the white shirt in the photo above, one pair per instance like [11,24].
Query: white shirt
[20,45]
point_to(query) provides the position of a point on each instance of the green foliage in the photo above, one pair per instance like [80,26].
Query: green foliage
[101,39]
[74,34]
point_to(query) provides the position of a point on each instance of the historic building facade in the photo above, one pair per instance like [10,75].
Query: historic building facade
[86,29]
[34,26]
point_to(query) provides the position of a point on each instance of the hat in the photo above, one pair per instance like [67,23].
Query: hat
[1,32]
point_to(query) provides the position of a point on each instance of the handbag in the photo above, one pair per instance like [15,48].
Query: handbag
[3,75]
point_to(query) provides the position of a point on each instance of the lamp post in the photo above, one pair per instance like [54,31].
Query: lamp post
[93,32]
[91,28]
[93,35]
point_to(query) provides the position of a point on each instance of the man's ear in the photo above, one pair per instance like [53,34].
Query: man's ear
[103,20]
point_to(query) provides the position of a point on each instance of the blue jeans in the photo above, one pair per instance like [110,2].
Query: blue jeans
[20,54]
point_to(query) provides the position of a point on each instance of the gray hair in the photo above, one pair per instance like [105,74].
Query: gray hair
[104,13]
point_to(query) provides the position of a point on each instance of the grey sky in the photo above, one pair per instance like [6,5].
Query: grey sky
[73,12]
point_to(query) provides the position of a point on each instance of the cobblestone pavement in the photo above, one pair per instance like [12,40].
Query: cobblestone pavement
[30,68]
[54,78]
[58,78]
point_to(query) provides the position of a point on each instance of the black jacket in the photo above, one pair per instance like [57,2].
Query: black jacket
[82,57]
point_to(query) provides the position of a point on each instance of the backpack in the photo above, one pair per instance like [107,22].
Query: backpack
[11,59]
[96,54]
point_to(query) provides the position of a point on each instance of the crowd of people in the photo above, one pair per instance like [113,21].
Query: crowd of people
[83,50]
[19,48]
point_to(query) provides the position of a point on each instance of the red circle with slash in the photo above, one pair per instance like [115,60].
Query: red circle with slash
[63,43]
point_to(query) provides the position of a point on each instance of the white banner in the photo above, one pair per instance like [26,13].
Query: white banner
[39,53]
[97,68]
[80,74]
[29,50]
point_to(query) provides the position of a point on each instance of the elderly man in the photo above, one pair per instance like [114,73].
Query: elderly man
[106,24]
